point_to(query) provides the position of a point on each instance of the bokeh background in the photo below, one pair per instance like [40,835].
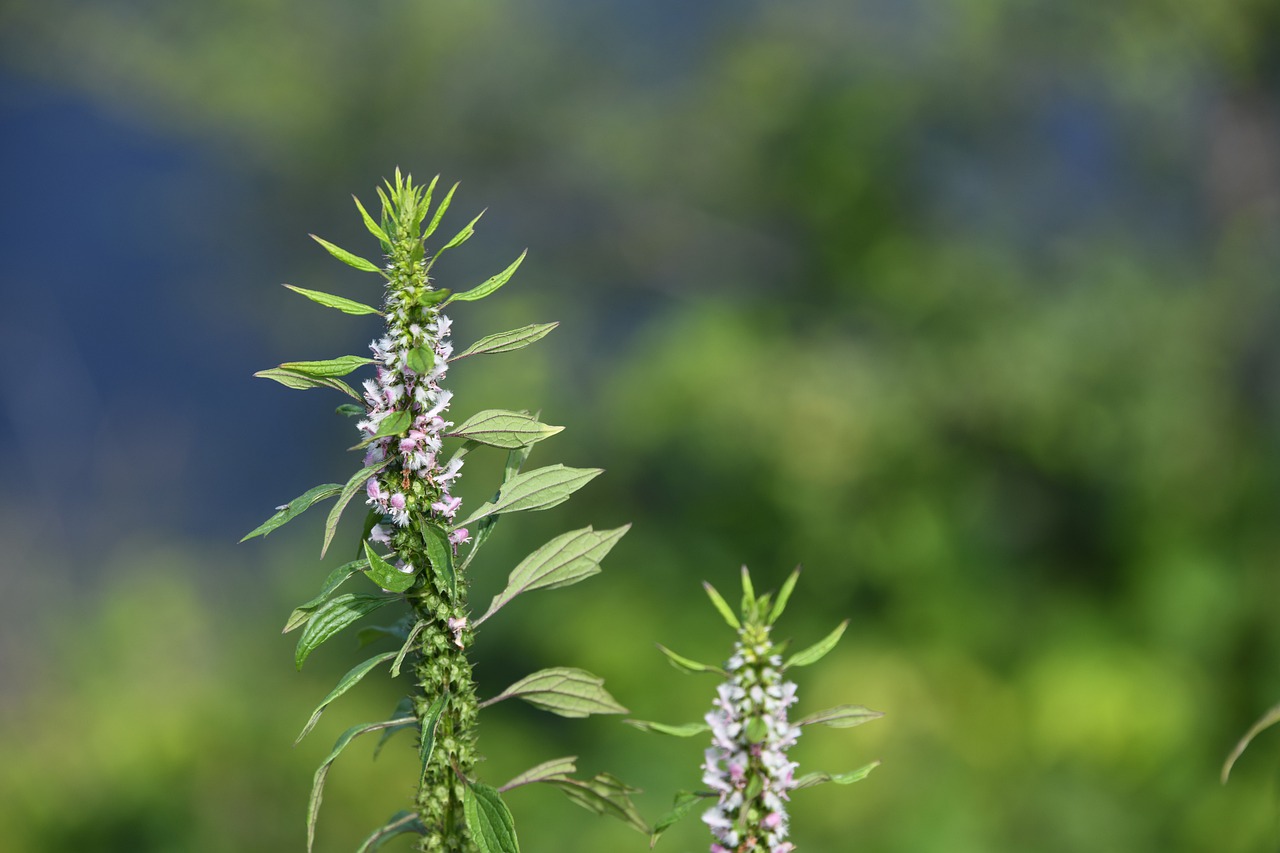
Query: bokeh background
[970,307]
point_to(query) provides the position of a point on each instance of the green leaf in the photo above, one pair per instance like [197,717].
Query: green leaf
[565,691]
[462,236]
[541,488]
[427,740]
[439,214]
[347,258]
[346,306]
[421,359]
[403,711]
[604,794]
[440,553]
[682,730]
[301,381]
[489,285]
[756,730]
[688,665]
[507,341]
[565,560]
[398,824]
[351,410]
[686,802]
[353,485]
[336,614]
[810,779]
[1268,720]
[505,429]
[336,578]
[373,227]
[489,819]
[555,769]
[404,649]
[722,606]
[386,575]
[748,594]
[327,368]
[434,296]
[351,679]
[515,460]
[394,423]
[841,717]
[317,782]
[294,508]
[818,650]
[784,595]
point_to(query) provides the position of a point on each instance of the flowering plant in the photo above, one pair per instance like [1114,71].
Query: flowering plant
[746,768]
[417,546]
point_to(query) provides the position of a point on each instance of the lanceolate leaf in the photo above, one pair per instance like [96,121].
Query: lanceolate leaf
[348,491]
[685,664]
[841,717]
[556,768]
[489,285]
[439,214]
[502,428]
[398,824]
[810,779]
[328,367]
[440,553]
[346,257]
[784,595]
[1268,720]
[427,738]
[541,488]
[346,306]
[721,606]
[461,237]
[386,575]
[507,341]
[489,819]
[317,783]
[301,381]
[408,644]
[818,650]
[373,227]
[686,802]
[565,560]
[336,614]
[682,730]
[565,691]
[336,578]
[351,679]
[604,794]
[294,508]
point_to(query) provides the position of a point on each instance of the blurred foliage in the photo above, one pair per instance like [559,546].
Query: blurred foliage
[969,307]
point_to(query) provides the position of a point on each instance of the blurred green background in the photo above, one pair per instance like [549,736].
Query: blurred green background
[970,307]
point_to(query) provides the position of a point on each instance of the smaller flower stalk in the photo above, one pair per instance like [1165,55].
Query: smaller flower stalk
[746,769]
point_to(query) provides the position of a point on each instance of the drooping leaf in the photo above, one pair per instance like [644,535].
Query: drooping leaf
[427,738]
[386,575]
[336,614]
[398,824]
[818,650]
[394,423]
[336,578]
[351,679]
[541,488]
[604,794]
[317,782]
[346,257]
[556,768]
[301,381]
[565,560]
[403,711]
[352,486]
[681,730]
[507,341]
[489,819]
[841,717]
[404,648]
[688,665]
[505,429]
[294,508]
[489,285]
[566,691]
[784,595]
[346,306]
[721,606]
[440,553]
[686,802]
[327,368]
[1268,720]
[810,779]
[373,227]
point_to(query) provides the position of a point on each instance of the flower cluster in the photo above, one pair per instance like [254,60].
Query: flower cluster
[747,763]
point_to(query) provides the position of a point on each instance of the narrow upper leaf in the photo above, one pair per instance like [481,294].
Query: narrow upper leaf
[386,575]
[346,257]
[294,508]
[336,578]
[566,691]
[373,227]
[317,782]
[685,664]
[682,730]
[329,367]
[462,236]
[439,214]
[346,306]
[351,679]
[427,738]
[810,779]
[398,824]
[1268,720]
[784,595]
[721,606]
[489,285]
[301,381]
[507,341]
[336,614]
[842,717]
[565,560]
[489,819]
[556,768]
[502,428]
[541,488]
[353,485]
[818,650]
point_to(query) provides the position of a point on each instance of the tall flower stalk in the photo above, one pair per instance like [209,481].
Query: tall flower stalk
[746,769]
[417,548]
